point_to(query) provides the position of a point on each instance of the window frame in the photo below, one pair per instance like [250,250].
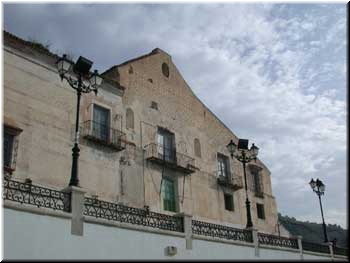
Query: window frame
[226,164]
[93,122]
[231,205]
[14,132]
[260,212]
[165,206]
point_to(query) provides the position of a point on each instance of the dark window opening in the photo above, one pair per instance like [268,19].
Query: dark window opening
[100,124]
[229,202]
[166,145]
[260,210]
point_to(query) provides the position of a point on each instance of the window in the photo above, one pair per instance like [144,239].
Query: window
[10,145]
[100,123]
[260,210]
[129,118]
[168,195]
[223,166]
[166,145]
[165,70]
[256,183]
[197,148]
[229,202]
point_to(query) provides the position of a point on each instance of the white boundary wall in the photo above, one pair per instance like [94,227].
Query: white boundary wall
[31,234]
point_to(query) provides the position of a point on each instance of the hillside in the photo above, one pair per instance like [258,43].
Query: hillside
[313,232]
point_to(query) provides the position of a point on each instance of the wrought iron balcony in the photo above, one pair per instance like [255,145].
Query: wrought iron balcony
[103,135]
[234,183]
[170,158]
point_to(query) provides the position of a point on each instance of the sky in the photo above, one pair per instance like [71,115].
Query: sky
[273,73]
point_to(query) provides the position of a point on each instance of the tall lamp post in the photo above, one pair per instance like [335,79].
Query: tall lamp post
[319,188]
[244,155]
[79,78]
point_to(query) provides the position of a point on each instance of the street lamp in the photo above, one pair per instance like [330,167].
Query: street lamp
[244,155]
[79,78]
[319,188]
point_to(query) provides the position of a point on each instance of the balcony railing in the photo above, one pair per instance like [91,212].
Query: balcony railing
[220,231]
[103,135]
[310,246]
[165,156]
[132,215]
[27,193]
[272,240]
[234,183]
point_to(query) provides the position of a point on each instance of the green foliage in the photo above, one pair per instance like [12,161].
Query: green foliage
[313,232]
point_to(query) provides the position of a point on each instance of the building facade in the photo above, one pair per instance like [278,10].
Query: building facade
[145,139]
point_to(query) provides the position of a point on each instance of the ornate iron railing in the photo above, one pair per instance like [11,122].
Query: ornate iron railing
[214,230]
[26,193]
[340,251]
[103,135]
[315,247]
[121,213]
[169,157]
[272,240]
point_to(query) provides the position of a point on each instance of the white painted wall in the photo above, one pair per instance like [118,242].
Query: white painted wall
[33,236]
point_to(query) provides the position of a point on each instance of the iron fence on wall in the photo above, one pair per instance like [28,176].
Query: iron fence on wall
[27,193]
[122,213]
[272,240]
[214,230]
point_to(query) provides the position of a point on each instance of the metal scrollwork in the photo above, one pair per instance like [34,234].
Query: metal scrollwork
[26,193]
[273,240]
[213,230]
[132,215]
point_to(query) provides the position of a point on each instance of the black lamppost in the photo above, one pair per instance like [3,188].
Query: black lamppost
[318,187]
[244,155]
[79,78]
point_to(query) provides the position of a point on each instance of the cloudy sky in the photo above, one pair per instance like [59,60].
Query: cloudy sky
[274,73]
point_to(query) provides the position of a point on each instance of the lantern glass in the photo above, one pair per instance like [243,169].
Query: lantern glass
[322,188]
[254,150]
[63,65]
[231,147]
[95,79]
[312,184]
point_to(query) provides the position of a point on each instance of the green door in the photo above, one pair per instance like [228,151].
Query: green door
[168,195]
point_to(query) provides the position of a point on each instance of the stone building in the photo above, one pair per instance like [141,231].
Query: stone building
[145,139]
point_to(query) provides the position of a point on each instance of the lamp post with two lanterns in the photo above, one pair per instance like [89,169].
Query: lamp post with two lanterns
[79,78]
[244,155]
[319,188]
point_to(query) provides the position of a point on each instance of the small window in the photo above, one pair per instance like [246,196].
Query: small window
[100,123]
[168,195]
[229,202]
[197,148]
[154,105]
[10,145]
[166,145]
[165,70]
[223,166]
[260,210]
[129,118]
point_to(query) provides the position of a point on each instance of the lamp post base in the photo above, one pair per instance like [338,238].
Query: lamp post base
[74,181]
[249,216]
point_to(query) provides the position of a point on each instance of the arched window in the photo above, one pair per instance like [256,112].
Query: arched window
[129,118]
[197,148]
